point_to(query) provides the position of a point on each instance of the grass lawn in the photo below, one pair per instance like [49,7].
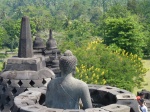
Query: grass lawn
[146,84]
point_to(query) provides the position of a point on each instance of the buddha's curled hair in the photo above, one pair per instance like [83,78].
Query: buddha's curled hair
[68,62]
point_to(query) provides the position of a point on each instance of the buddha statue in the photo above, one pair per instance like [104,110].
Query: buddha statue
[65,92]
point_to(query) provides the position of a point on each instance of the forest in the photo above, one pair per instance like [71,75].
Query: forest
[109,37]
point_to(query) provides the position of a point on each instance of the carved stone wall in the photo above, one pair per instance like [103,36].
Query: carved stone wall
[12,83]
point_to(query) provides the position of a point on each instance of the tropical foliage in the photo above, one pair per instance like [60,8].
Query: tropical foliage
[126,33]
[99,64]
[81,25]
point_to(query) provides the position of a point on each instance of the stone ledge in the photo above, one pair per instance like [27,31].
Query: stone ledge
[105,95]
[16,60]
[19,64]
[120,105]
[28,75]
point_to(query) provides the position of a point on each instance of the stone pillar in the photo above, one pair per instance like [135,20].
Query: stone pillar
[25,43]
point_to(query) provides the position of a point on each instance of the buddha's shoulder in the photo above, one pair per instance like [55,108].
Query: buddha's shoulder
[54,81]
[81,83]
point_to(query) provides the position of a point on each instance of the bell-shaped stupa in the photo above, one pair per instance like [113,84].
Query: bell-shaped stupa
[51,43]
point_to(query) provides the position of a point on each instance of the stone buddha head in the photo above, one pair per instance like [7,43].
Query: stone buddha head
[67,63]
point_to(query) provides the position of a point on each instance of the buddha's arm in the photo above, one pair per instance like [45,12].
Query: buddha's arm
[48,95]
[85,97]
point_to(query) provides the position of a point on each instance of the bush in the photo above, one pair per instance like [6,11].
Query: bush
[99,64]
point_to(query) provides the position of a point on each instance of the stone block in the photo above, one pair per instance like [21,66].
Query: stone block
[16,60]
[20,64]
[38,83]
[52,110]
[47,52]
[31,95]
[117,108]
[132,103]
[37,50]
[20,75]
[46,73]
[73,110]
[32,108]
[108,88]
[91,86]
[96,110]
[126,96]
[41,89]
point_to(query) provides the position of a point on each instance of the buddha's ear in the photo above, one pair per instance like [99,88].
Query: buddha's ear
[74,71]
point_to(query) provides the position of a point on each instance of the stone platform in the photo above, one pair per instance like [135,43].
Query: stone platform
[20,74]
[104,99]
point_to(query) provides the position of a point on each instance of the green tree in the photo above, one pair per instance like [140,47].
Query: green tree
[3,35]
[79,30]
[127,33]
[132,5]
[143,8]
[13,31]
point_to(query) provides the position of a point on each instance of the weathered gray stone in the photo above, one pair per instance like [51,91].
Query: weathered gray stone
[117,108]
[21,64]
[25,70]
[46,73]
[52,110]
[25,65]
[94,86]
[73,110]
[47,52]
[25,43]
[37,51]
[41,89]
[51,43]
[15,60]
[96,110]
[125,96]
[20,75]
[30,108]
[38,43]
[33,94]
[131,103]
[106,95]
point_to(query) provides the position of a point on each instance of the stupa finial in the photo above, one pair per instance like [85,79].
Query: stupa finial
[25,42]
[50,34]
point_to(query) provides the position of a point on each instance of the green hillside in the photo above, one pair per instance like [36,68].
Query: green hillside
[109,37]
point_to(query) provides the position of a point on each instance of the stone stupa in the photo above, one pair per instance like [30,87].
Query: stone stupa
[52,55]
[23,71]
